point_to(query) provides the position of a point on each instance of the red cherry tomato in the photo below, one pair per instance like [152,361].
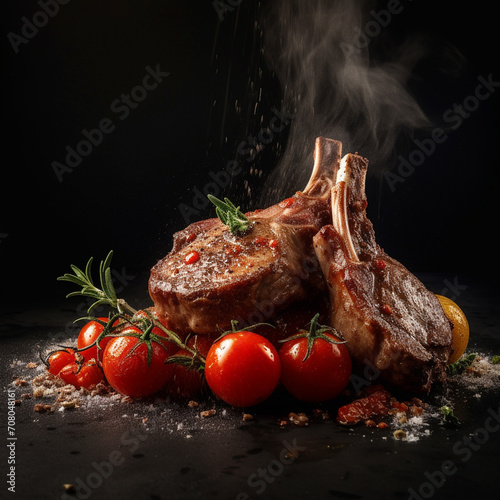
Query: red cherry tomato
[87,375]
[322,376]
[242,368]
[69,374]
[90,374]
[59,359]
[126,367]
[88,335]
[186,383]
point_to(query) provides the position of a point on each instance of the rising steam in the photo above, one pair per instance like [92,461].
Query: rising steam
[324,61]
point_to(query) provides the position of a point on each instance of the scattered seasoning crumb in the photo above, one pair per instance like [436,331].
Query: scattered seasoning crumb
[247,417]
[323,414]
[31,365]
[193,404]
[370,423]
[20,382]
[481,374]
[383,425]
[69,488]
[292,454]
[208,413]
[399,434]
[26,395]
[299,419]
[70,405]
[43,408]
[401,417]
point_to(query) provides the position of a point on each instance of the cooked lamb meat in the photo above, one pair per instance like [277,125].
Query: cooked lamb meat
[212,276]
[388,317]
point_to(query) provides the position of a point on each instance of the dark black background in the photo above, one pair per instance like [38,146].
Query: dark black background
[125,195]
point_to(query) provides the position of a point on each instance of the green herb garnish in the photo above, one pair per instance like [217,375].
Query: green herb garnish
[449,418]
[461,365]
[230,215]
[106,295]
[495,360]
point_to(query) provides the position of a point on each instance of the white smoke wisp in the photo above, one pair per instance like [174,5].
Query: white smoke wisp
[322,59]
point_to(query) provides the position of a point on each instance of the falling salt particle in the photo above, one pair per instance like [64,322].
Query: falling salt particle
[188,436]
[180,426]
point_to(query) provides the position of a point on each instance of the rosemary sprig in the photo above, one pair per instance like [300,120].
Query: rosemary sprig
[461,365]
[106,295]
[230,215]
[448,418]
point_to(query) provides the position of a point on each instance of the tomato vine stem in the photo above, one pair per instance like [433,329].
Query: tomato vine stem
[106,295]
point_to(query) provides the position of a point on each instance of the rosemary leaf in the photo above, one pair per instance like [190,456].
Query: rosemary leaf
[461,365]
[88,270]
[449,419]
[72,279]
[107,285]
[230,215]
[97,304]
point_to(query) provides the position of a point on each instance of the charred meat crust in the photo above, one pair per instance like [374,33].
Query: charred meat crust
[262,271]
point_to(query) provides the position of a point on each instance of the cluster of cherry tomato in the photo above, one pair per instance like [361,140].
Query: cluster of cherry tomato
[242,368]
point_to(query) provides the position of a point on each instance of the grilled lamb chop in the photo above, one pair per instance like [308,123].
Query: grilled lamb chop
[387,316]
[212,276]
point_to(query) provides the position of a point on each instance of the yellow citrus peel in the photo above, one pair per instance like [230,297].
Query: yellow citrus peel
[460,329]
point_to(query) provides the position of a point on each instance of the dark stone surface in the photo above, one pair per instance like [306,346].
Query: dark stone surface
[106,450]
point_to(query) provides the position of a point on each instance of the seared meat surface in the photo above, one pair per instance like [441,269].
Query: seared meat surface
[212,277]
[388,317]
[317,243]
